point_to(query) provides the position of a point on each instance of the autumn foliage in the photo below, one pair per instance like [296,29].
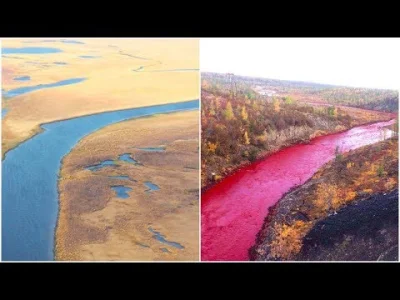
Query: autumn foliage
[240,125]
[374,99]
[368,170]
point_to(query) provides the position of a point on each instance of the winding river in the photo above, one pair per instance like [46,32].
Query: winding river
[30,176]
[233,211]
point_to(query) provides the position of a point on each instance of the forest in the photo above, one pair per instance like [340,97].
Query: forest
[374,99]
[240,124]
[382,100]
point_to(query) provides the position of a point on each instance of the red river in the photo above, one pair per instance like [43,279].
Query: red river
[233,211]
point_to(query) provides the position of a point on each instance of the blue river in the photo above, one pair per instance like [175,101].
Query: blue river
[30,176]
[27,89]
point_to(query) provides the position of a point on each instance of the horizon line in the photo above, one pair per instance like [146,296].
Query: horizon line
[304,81]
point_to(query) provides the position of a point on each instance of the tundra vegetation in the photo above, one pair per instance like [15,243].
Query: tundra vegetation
[111,83]
[156,215]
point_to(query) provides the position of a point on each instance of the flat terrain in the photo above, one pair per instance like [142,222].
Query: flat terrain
[121,73]
[144,225]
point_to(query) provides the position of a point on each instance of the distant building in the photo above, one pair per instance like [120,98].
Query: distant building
[268,93]
[230,76]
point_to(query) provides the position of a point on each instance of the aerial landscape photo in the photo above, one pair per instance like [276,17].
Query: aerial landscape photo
[299,150]
[100,149]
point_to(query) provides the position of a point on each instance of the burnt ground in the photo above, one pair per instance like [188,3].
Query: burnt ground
[366,230]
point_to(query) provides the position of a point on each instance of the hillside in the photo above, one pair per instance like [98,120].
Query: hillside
[240,125]
[333,215]
[374,99]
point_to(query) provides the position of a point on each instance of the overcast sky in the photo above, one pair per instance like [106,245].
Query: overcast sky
[373,63]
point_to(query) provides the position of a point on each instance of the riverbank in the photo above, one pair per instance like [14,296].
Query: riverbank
[265,154]
[161,153]
[30,202]
[233,210]
[237,132]
[39,129]
[365,174]
[110,85]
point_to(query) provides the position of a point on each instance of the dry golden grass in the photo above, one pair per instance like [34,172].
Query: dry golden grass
[111,84]
[94,224]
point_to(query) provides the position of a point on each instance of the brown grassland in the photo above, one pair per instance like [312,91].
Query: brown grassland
[94,224]
[111,82]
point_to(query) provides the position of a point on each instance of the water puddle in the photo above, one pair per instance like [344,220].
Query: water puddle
[121,191]
[153,149]
[101,165]
[151,186]
[165,250]
[123,157]
[28,89]
[59,63]
[122,177]
[89,56]
[161,238]
[127,158]
[23,78]
[31,50]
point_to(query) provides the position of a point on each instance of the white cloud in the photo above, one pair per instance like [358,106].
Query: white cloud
[373,63]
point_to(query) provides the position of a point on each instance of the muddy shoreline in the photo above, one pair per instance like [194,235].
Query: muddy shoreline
[39,128]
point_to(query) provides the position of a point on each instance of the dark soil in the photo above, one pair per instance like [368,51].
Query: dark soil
[366,230]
